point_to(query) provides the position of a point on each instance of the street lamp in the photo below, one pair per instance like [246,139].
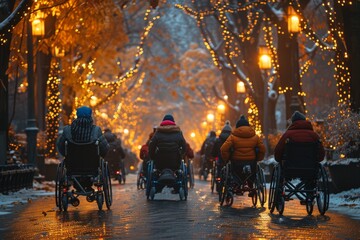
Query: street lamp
[265,66]
[210,117]
[294,29]
[31,125]
[240,88]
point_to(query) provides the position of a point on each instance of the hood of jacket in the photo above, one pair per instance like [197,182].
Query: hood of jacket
[301,124]
[168,128]
[244,132]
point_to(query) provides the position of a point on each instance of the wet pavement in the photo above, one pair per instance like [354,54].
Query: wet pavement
[200,217]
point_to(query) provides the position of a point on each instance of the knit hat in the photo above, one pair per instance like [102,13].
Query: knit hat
[83,112]
[297,116]
[242,122]
[168,117]
[227,127]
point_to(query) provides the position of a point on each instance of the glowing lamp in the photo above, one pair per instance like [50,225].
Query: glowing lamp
[38,25]
[221,108]
[240,87]
[264,58]
[293,21]
[210,117]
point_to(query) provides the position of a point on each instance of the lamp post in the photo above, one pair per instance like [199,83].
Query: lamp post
[294,29]
[265,66]
[31,126]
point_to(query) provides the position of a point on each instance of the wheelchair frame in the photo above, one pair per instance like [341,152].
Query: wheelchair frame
[153,183]
[283,188]
[231,184]
[68,173]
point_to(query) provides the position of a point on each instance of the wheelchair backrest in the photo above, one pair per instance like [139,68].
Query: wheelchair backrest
[167,155]
[82,158]
[300,159]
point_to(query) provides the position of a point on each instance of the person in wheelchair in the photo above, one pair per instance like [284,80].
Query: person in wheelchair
[225,133]
[82,130]
[300,130]
[240,147]
[115,154]
[167,147]
[144,153]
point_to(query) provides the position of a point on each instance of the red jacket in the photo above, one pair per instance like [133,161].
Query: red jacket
[299,131]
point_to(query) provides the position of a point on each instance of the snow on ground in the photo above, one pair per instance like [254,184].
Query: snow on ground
[347,202]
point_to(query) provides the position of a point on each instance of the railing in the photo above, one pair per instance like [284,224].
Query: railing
[15,177]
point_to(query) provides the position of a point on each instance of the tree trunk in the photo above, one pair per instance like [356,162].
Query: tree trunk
[351,16]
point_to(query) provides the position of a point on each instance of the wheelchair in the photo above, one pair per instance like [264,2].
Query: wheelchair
[233,183]
[82,163]
[141,177]
[190,174]
[299,175]
[158,179]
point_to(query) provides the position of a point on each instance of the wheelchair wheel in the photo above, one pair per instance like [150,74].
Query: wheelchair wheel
[142,183]
[260,185]
[280,204]
[322,197]
[221,183]
[149,180]
[191,174]
[226,195]
[309,206]
[254,197]
[274,188]
[184,181]
[100,199]
[213,176]
[64,201]
[58,184]
[182,194]
[107,185]
[152,193]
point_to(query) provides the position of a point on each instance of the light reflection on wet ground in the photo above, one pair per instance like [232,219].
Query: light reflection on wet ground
[200,217]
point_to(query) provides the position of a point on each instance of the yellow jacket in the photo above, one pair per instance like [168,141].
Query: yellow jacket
[243,145]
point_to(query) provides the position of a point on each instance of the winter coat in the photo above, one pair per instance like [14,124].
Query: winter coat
[244,144]
[95,134]
[116,153]
[167,147]
[207,147]
[299,131]
[218,143]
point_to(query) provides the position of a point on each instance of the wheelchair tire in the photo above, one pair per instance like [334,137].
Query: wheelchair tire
[182,194]
[191,175]
[107,185]
[100,199]
[254,197]
[260,185]
[213,178]
[152,193]
[64,201]
[322,197]
[149,180]
[142,183]
[59,184]
[226,196]
[280,204]
[274,186]
[309,206]
[184,181]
